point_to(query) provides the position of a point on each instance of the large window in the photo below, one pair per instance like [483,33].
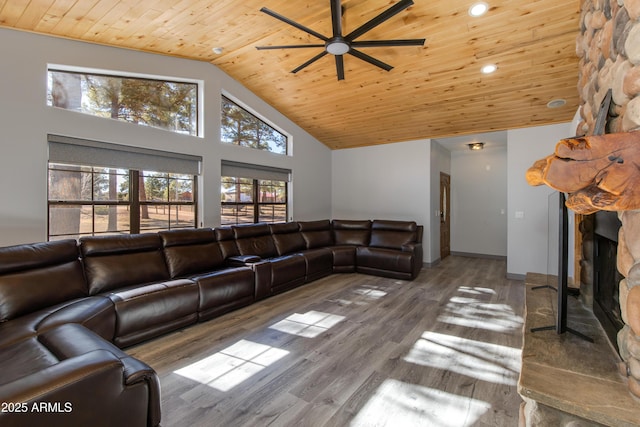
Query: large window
[88,196]
[168,105]
[246,200]
[86,201]
[240,127]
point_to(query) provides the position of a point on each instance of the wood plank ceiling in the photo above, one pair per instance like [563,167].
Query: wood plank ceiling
[434,91]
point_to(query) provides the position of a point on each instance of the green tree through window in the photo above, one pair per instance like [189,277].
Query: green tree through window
[240,127]
[85,200]
[168,105]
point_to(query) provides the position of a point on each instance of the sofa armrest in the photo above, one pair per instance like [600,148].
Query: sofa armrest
[66,393]
[242,260]
[409,247]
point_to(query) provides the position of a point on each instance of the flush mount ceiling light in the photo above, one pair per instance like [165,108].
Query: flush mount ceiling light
[556,103]
[489,68]
[478,9]
[475,146]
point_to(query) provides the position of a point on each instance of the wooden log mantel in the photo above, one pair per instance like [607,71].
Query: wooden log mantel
[600,172]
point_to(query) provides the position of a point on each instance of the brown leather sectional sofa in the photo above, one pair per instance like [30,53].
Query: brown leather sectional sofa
[67,308]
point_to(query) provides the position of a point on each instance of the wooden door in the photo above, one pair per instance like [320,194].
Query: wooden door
[445,215]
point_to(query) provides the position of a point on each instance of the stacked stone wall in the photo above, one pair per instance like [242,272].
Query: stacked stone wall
[609,50]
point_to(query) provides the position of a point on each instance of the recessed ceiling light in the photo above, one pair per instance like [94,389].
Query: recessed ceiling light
[478,9]
[489,68]
[217,50]
[556,103]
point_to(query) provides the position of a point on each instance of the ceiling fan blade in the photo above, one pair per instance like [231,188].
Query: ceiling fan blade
[290,46]
[340,67]
[392,11]
[293,23]
[370,59]
[309,62]
[336,18]
[382,43]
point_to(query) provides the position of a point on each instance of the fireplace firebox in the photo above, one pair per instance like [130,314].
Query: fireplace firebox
[606,302]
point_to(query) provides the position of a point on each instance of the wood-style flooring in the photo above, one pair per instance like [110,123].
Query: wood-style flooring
[354,350]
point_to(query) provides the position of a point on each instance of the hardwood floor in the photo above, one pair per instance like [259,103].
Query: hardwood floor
[350,349]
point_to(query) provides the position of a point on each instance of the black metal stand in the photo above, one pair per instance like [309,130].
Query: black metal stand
[563,290]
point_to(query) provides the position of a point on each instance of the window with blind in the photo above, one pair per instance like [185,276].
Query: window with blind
[99,188]
[253,193]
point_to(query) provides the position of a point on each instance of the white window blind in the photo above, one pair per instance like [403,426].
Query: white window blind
[246,170]
[78,151]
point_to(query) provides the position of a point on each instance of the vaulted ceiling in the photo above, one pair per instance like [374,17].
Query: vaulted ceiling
[433,91]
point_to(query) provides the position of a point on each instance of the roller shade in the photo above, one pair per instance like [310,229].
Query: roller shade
[64,149]
[246,170]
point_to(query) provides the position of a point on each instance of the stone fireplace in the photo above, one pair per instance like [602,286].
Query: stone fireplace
[602,173]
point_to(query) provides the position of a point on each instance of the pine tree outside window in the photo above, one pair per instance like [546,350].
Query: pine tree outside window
[240,127]
[163,104]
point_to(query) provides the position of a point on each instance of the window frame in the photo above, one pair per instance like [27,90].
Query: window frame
[253,114]
[255,204]
[133,203]
[199,95]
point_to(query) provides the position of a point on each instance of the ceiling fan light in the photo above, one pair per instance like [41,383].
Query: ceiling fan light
[337,47]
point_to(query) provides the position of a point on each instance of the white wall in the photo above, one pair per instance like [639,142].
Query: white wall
[389,181]
[527,237]
[26,120]
[479,201]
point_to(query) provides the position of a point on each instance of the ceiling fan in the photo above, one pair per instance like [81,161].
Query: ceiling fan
[339,44]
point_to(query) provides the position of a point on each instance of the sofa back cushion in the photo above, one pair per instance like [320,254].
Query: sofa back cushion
[227,241]
[393,234]
[111,262]
[191,251]
[39,275]
[316,234]
[255,239]
[287,238]
[347,232]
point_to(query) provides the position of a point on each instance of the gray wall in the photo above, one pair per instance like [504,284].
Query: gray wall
[26,120]
[479,201]
[389,181]
[527,236]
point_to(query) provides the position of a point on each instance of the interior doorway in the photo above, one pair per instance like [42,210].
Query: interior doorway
[445,215]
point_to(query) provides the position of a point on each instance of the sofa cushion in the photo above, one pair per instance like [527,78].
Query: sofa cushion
[287,238]
[316,234]
[224,290]
[380,260]
[319,263]
[143,312]
[191,251]
[392,234]
[255,239]
[39,275]
[347,232]
[112,262]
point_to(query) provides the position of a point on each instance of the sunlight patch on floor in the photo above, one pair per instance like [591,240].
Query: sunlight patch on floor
[233,365]
[469,311]
[370,292]
[308,325]
[484,361]
[396,403]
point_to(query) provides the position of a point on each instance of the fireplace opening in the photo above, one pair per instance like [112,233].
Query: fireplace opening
[606,278]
